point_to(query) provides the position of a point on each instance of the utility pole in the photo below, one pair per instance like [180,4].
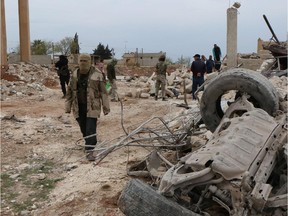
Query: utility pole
[52,53]
[125,46]
[142,57]
[24,30]
[3,43]
[137,56]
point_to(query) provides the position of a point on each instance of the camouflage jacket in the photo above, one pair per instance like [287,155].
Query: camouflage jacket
[97,96]
[161,68]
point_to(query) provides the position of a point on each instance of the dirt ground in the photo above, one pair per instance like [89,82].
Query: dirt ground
[44,172]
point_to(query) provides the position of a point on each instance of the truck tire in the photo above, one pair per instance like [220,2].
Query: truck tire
[138,198]
[262,94]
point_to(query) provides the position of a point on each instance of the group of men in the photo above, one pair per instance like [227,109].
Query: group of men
[64,74]
[87,94]
[199,67]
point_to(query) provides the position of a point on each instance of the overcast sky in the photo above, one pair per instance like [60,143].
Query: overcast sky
[182,27]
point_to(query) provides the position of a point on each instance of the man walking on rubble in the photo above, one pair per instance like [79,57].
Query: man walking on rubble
[198,69]
[63,73]
[217,56]
[161,68]
[111,75]
[86,96]
[210,65]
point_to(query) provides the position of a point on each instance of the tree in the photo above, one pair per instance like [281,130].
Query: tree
[41,47]
[184,61]
[75,45]
[169,60]
[64,46]
[103,52]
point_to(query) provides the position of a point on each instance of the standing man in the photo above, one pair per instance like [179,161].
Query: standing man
[98,63]
[63,73]
[203,58]
[198,69]
[111,75]
[101,66]
[210,64]
[161,68]
[86,96]
[217,56]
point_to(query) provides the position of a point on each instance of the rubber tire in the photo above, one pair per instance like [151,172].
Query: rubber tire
[253,83]
[139,199]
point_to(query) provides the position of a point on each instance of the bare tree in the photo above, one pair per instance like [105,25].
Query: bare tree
[64,46]
[184,61]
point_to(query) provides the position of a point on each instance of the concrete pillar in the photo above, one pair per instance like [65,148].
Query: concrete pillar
[231,37]
[3,44]
[24,30]
[259,46]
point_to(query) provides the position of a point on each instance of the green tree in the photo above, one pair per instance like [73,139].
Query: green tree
[103,52]
[41,47]
[75,45]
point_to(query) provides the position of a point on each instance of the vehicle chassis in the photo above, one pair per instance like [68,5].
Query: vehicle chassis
[237,165]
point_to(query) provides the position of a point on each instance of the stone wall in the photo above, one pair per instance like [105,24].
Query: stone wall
[252,64]
[36,59]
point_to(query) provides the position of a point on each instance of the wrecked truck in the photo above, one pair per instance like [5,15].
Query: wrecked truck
[241,170]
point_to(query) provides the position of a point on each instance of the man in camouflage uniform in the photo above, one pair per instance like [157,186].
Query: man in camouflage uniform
[161,68]
[86,95]
[111,75]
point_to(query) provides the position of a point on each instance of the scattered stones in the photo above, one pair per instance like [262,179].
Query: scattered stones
[23,166]
[69,167]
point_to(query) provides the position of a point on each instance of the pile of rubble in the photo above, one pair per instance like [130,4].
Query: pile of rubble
[144,87]
[32,79]
[22,80]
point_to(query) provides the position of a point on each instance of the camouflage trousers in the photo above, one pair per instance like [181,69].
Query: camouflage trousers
[113,90]
[160,80]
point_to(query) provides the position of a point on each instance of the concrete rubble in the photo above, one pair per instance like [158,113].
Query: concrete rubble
[31,79]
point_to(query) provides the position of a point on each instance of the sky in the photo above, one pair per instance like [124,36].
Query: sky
[180,28]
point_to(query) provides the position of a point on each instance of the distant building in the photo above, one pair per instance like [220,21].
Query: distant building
[141,59]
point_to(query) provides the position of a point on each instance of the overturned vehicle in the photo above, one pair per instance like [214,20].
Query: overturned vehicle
[241,170]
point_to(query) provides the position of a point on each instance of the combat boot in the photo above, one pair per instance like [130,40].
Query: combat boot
[90,156]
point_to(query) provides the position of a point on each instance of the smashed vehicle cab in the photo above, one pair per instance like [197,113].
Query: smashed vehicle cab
[242,169]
